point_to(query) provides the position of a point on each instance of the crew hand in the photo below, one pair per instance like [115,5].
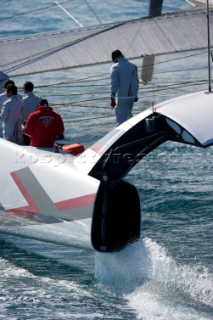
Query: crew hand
[112,103]
[136,99]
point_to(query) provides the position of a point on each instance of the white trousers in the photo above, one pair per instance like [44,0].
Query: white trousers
[123,109]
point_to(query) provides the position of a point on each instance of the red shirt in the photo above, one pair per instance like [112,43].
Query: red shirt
[43,126]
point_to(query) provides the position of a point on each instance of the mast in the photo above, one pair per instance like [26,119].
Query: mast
[209,53]
[155,8]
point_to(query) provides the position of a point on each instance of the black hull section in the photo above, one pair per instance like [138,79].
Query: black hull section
[117,217]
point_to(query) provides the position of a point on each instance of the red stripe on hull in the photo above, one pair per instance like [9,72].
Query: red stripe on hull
[98,148]
[29,210]
[33,209]
[76,202]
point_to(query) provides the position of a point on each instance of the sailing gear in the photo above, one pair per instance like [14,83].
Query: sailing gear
[124,84]
[43,126]
[112,103]
[74,148]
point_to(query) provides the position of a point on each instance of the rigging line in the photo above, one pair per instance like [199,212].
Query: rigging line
[158,88]
[68,83]
[164,33]
[168,84]
[130,45]
[97,96]
[173,87]
[67,12]
[72,85]
[93,118]
[106,74]
[31,11]
[180,58]
[139,67]
[177,87]
[77,105]
[88,100]
[74,81]
[93,11]
[46,53]
[75,113]
[74,94]
[103,85]
[179,70]
[87,78]
[82,83]
[161,83]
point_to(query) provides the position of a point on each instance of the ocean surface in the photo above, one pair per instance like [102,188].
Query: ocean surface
[166,275]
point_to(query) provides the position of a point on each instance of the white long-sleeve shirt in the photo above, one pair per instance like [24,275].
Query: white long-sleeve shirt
[3,98]
[12,117]
[31,102]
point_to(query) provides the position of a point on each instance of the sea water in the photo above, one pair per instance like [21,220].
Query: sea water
[166,275]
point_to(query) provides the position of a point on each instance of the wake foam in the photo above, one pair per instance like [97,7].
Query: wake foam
[123,270]
[155,286]
[194,280]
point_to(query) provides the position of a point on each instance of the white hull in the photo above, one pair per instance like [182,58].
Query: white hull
[46,195]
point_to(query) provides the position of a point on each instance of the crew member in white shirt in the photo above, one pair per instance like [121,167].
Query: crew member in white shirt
[12,116]
[31,102]
[3,98]
[124,86]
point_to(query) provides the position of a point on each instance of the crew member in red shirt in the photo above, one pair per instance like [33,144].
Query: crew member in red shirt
[43,126]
